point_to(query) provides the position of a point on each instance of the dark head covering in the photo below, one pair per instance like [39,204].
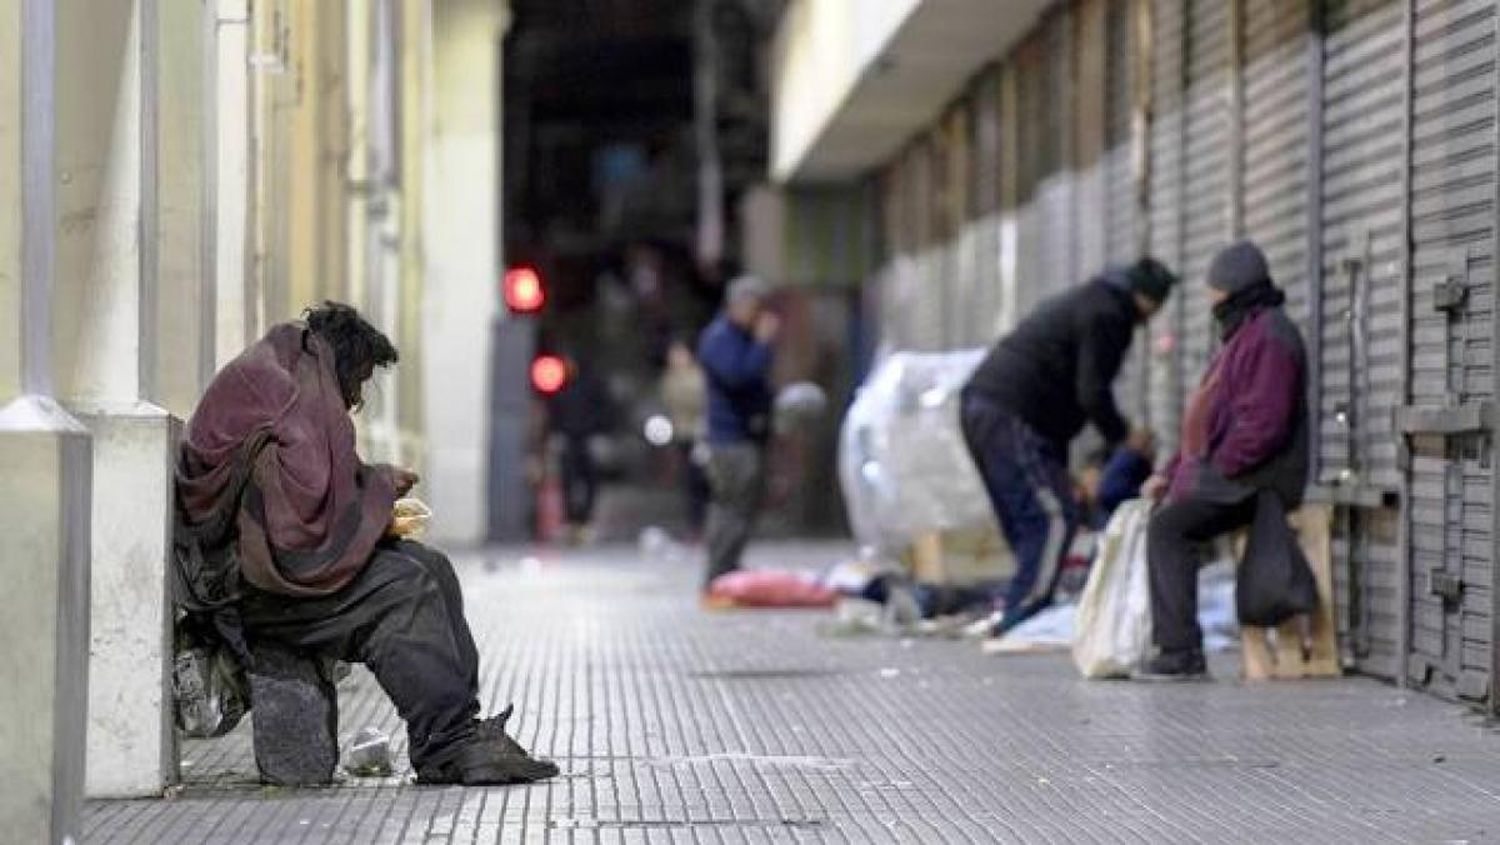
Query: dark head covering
[1239,266]
[1151,278]
[1240,270]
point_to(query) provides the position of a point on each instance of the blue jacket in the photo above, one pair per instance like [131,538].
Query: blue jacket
[738,370]
[1121,480]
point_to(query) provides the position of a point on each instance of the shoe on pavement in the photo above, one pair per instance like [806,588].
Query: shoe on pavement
[489,758]
[1185,665]
[714,603]
[985,628]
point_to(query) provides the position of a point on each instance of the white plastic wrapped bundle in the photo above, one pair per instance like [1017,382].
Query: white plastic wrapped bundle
[903,464]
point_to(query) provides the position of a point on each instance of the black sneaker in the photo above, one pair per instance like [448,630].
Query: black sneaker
[1186,665]
[489,758]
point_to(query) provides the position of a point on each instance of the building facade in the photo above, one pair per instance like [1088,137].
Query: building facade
[175,177]
[1354,140]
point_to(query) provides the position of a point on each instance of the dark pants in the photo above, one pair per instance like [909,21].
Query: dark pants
[1174,548]
[737,480]
[695,490]
[580,479]
[1027,480]
[403,617]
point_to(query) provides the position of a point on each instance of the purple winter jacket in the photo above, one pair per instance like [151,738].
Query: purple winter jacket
[1245,428]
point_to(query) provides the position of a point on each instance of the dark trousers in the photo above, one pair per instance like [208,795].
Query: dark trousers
[695,490]
[1027,480]
[580,479]
[1174,548]
[403,617]
[737,480]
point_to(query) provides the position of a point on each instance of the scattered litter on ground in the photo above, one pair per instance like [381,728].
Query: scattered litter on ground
[369,754]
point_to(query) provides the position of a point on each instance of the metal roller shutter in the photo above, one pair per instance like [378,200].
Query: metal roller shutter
[1274,145]
[1167,194]
[1452,229]
[924,299]
[1121,227]
[1207,169]
[1055,194]
[1031,98]
[984,309]
[1088,163]
[1359,332]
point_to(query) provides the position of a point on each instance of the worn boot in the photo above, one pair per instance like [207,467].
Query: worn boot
[1183,665]
[490,757]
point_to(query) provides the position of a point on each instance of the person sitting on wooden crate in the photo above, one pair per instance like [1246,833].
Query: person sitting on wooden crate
[1244,435]
[1026,402]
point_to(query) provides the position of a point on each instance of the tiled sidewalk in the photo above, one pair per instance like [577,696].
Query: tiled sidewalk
[672,725]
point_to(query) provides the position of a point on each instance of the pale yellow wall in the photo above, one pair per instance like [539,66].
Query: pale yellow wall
[10,201]
[415,83]
[183,279]
[330,277]
[302,196]
[822,49]
[95,331]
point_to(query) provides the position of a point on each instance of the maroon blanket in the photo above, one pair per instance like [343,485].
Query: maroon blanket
[271,447]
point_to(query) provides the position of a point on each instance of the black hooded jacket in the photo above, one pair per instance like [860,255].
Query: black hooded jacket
[1056,370]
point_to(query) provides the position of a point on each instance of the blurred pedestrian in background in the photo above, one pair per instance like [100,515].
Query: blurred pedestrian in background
[580,411]
[735,352]
[1026,402]
[1244,433]
[684,391]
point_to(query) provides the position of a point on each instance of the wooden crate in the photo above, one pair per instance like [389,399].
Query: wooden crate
[957,557]
[1269,655]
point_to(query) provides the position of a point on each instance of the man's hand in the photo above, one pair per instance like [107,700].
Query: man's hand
[767,326]
[404,479]
[1142,441]
[1154,488]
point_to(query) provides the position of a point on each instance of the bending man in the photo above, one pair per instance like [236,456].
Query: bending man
[1030,397]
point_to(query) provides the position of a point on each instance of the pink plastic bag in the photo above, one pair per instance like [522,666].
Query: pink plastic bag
[771,588]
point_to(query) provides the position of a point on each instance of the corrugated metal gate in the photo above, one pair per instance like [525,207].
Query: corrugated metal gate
[1358,328]
[1453,157]
[1207,168]
[1122,226]
[1167,189]
[1355,141]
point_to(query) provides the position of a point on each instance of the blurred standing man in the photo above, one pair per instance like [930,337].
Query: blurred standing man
[735,353]
[1030,397]
[684,391]
[579,412]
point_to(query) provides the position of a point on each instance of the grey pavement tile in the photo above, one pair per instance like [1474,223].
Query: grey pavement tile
[673,725]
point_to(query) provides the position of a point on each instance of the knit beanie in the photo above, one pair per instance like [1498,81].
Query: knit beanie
[1239,266]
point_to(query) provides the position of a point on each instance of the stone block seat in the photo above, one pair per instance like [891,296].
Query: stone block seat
[294,713]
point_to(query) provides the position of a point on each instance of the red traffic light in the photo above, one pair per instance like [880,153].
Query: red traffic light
[523,290]
[548,374]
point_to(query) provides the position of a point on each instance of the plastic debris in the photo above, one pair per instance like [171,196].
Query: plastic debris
[369,754]
[904,467]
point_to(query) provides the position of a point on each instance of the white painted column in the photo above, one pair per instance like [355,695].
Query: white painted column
[463,249]
[227,121]
[106,335]
[44,490]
